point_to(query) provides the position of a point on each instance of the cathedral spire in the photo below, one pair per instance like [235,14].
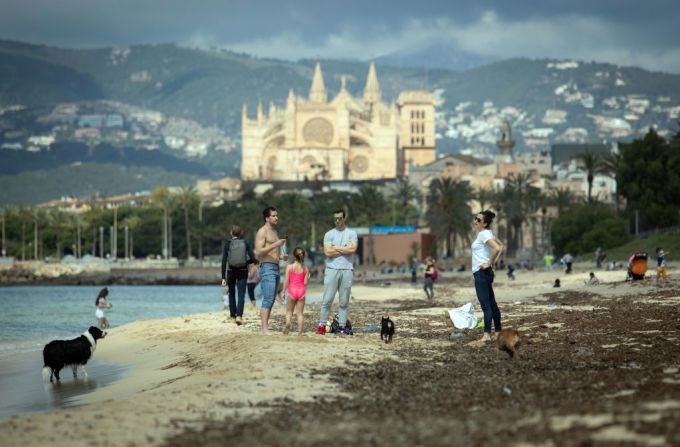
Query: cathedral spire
[372,90]
[318,91]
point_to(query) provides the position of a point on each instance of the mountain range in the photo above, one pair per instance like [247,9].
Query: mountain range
[546,101]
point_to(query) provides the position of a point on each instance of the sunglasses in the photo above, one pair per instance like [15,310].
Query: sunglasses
[477,219]
[338,219]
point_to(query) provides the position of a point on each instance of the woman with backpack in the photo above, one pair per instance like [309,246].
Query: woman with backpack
[431,275]
[236,257]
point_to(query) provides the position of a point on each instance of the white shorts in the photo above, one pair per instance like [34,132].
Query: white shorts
[99,313]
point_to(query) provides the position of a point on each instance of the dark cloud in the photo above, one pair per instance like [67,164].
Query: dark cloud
[619,30]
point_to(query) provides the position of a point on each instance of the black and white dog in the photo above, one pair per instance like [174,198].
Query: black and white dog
[60,353]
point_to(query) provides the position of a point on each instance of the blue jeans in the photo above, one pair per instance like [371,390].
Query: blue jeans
[236,279]
[487,299]
[269,281]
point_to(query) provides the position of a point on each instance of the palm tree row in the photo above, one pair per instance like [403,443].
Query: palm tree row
[446,209]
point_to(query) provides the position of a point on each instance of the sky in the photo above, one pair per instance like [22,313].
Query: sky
[623,32]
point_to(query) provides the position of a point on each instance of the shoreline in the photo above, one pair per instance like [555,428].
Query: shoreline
[41,274]
[198,377]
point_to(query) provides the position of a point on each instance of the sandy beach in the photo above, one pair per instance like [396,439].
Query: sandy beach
[598,366]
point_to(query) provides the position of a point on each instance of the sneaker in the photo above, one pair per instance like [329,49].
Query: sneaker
[239,321]
[321,330]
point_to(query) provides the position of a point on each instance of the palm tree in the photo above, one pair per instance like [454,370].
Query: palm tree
[3,217]
[563,198]
[24,216]
[57,220]
[405,194]
[77,222]
[448,211]
[296,215]
[611,166]
[187,197]
[591,164]
[516,196]
[483,196]
[368,206]
[161,198]
[37,218]
[132,222]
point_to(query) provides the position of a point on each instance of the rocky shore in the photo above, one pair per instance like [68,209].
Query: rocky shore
[34,273]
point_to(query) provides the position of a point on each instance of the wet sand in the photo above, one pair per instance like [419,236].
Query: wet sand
[23,391]
[598,366]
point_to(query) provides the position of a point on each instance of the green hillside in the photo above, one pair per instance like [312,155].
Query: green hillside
[85,181]
[211,86]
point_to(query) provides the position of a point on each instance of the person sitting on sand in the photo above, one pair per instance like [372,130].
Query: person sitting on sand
[557,283]
[592,280]
[101,304]
[295,286]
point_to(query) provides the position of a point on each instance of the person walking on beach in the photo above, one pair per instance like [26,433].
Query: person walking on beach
[295,286]
[661,266]
[486,250]
[267,245]
[568,259]
[430,276]
[339,245]
[236,255]
[101,304]
[253,281]
[548,260]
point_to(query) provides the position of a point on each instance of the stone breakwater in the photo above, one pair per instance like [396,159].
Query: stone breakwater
[36,273]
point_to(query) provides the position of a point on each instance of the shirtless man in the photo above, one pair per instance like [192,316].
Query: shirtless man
[267,244]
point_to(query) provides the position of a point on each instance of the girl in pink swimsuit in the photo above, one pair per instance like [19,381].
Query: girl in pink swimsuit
[295,287]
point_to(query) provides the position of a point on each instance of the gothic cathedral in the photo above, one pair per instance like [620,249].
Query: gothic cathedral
[341,139]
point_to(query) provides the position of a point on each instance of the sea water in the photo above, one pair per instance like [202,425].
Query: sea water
[30,316]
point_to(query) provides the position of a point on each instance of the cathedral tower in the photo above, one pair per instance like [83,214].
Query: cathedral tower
[317,93]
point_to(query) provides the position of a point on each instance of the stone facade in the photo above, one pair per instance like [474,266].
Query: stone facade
[342,139]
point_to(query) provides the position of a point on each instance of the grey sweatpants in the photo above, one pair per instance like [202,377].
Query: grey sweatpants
[336,281]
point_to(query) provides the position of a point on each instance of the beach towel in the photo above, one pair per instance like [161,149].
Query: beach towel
[463,317]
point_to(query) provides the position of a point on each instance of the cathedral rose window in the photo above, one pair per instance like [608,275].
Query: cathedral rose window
[359,164]
[318,130]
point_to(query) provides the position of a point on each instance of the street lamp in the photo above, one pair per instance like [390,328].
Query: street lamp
[101,242]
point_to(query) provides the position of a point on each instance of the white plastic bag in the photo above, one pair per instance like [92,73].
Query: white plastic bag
[463,317]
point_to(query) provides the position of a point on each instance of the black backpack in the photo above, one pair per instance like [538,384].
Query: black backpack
[237,257]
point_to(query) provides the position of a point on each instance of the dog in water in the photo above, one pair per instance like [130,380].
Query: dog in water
[387,330]
[60,353]
[508,340]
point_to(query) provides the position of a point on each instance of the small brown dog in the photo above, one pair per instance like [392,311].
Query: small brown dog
[508,341]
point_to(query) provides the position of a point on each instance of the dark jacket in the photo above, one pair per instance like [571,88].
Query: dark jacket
[250,256]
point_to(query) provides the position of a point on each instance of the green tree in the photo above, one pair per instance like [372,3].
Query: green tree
[519,199]
[405,194]
[650,179]
[591,163]
[588,226]
[611,164]
[483,196]
[187,197]
[448,211]
[562,198]
[369,207]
